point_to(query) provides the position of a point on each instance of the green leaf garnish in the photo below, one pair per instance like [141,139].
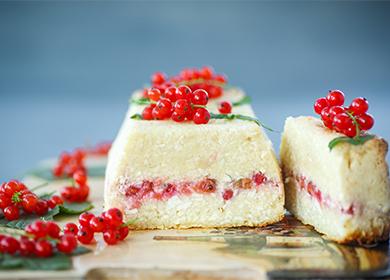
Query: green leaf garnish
[244,100]
[359,140]
[58,261]
[74,208]
[141,101]
[239,117]
[136,117]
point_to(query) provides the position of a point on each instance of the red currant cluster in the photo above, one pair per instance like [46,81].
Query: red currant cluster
[69,163]
[204,78]
[40,240]
[347,120]
[16,197]
[179,104]
[79,191]
[110,223]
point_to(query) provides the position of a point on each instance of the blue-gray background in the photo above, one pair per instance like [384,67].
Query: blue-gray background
[67,68]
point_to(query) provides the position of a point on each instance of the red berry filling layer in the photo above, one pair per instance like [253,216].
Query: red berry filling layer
[324,200]
[157,189]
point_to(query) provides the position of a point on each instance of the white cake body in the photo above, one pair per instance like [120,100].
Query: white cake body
[221,155]
[344,193]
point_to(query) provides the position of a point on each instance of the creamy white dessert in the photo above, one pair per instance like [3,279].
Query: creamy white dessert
[181,175]
[343,193]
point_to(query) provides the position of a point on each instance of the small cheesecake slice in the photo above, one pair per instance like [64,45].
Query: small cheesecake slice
[343,193]
[182,175]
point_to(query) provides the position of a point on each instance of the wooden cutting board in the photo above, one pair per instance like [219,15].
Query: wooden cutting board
[281,251]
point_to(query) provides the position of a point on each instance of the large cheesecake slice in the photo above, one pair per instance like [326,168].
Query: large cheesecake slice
[181,175]
[344,192]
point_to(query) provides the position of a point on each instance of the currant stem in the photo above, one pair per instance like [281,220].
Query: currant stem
[39,186]
[199,81]
[357,136]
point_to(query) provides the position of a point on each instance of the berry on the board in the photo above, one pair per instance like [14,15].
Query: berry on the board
[201,116]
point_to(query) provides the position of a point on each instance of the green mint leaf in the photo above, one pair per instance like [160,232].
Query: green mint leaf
[244,100]
[141,101]
[58,261]
[136,117]
[360,140]
[74,208]
[239,117]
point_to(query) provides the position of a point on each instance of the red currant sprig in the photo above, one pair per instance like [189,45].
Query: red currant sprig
[109,223]
[79,191]
[187,105]
[347,120]
[16,199]
[204,78]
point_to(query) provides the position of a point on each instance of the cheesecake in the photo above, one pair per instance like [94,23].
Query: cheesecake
[166,174]
[343,192]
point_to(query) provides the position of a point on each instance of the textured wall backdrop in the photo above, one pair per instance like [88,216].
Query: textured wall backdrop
[67,68]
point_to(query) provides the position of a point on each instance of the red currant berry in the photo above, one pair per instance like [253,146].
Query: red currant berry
[154,94]
[359,106]
[170,93]
[227,194]
[259,178]
[67,243]
[11,212]
[182,106]
[206,73]
[5,200]
[55,200]
[82,193]
[123,232]
[80,178]
[220,78]
[157,114]
[225,107]
[342,122]
[69,193]
[350,131]
[85,235]
[335,98]
[202,116]
[183,92]
[43,249]
[325,115]
[79,155]
[11,187]
[97,224]
[64,158]
[113,217]
[38,229]
[85,218]
[365,121]
[147,113]
[177,117]
[53,230]
[158,78]
[320,104]
[29,202]
[71,228]
[335,110]
[58,171]
[9,245]
[200,97]
[215,92]
[165,107]
[41,208]
[27,247]
[111,236]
